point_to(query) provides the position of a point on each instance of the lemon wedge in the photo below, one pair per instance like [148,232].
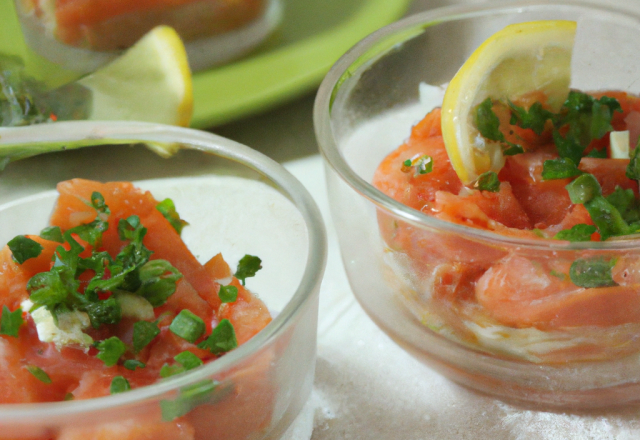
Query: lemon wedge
[521,58]
[150,82]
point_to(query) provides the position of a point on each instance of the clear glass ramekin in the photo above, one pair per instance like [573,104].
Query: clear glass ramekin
[365,109]
[237,202]
[84,36]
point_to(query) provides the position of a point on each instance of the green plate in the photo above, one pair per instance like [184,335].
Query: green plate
[312,36]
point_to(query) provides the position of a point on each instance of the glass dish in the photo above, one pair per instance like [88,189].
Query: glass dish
[236,201]
[83,36]
[365,109]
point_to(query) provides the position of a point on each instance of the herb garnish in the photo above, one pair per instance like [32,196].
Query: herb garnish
[420,164]
[488,181]
[168,209]
[188,326]
[222,339]
[130,271]
[248,266]
[119,385]
[592,272]
[10,322]
[228,294]
[39,374]
[110,350]
[143,333]
[24,248]
[579,232]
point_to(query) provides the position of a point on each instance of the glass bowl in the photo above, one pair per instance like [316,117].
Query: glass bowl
[398,259]
[237,202]
[81,37]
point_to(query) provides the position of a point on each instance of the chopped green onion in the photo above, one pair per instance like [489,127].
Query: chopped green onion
[228,294]
[188,326]
[606,217]
[579,232]
[561,168]
[188,360]
[10,322]
[190,397]
[222,339]
[39,374]
[132,364]
[584,188]
[633,169]
[24,248]
[119,385]
[171,370]
[592,272]
[143,333]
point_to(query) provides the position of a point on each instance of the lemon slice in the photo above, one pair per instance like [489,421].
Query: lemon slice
[521,58]
[150,82]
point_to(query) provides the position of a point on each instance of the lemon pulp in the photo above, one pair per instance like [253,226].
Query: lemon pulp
[521,58]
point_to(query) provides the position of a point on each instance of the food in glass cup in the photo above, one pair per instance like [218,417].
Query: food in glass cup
[252,391]
[434,255]
[213,30]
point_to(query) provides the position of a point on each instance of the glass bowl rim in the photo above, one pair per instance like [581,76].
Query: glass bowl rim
[333,81]
[125,132]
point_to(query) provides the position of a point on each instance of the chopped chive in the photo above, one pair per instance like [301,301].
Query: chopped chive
[132,364]
[188,326]
[39,374]
[188,360]
[119,385]
[222,339]
[228,294]
[584,188]
[143,333]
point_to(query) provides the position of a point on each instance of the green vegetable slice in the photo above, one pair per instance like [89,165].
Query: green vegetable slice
[592,272]
[143,333]
[222,339]
[228,294]
[119,385]
[579,232]
[39,374]
[188,326]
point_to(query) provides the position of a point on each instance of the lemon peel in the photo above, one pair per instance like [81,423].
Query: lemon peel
[521,58]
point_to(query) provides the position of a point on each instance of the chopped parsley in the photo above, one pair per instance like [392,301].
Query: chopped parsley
[168,209]
[10,322]
[488,181]
[110,350]
[24,248]
[52,233]
[248,266]
[119,385]
[561,168]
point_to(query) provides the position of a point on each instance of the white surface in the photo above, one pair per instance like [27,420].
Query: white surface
[367,387]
